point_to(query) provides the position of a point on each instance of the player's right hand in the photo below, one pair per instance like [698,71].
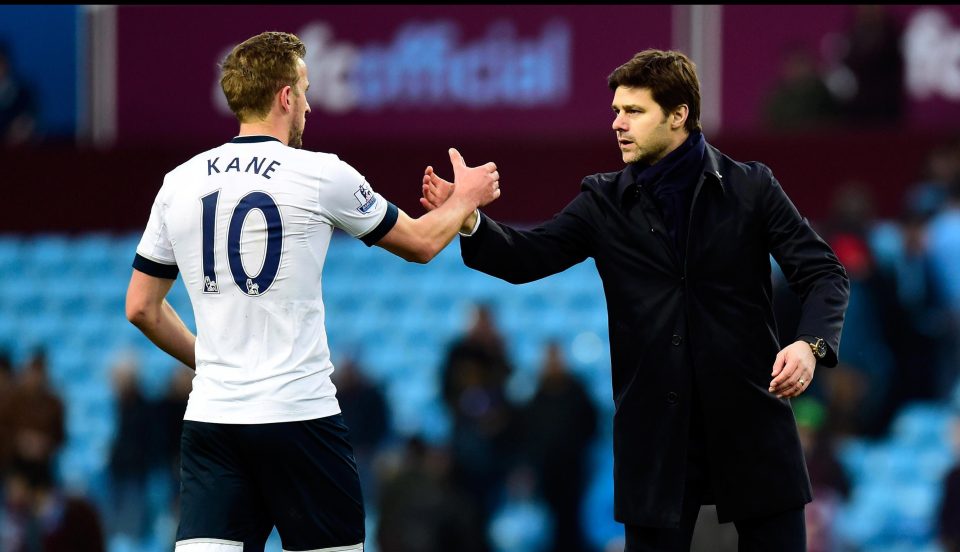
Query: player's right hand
[480,185]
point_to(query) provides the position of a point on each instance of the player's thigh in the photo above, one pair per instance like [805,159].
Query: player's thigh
[221,508]
[309,479]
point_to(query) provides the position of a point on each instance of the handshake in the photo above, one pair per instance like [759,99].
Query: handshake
[476,186]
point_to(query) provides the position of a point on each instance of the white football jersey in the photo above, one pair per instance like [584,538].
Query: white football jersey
[248,225]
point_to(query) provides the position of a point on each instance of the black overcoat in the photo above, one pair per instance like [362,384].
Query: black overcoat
[706,322]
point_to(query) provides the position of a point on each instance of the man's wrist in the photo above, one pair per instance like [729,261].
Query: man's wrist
[471,223]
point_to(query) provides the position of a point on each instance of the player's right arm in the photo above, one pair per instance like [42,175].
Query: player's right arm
[148,310]
[518,256]
[421,239]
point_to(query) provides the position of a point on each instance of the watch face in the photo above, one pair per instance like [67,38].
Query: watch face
[821,348]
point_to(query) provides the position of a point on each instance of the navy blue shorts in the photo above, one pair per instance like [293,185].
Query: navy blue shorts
[238,481]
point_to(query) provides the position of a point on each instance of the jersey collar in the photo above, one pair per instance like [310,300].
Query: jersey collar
[253,139]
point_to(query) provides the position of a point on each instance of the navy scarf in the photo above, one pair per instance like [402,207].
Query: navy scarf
[672,181]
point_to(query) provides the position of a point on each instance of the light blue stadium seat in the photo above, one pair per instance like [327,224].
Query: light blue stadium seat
[45,253]
[863,521]
[11,255]
[41,328]
[93,254]
[922,423]
[22,293]
[915,510]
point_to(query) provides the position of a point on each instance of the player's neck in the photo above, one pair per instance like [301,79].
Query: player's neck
[276,129]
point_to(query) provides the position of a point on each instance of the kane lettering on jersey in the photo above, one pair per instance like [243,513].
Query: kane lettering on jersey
[248,224]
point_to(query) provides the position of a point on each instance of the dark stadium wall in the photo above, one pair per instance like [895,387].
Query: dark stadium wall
[62,189]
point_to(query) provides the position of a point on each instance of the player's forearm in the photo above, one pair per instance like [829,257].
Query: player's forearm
[166,330]
[440,226]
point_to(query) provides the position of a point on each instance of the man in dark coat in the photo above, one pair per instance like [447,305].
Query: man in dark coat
[682,239]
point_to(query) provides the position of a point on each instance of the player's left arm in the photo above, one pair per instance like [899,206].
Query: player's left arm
[148,310]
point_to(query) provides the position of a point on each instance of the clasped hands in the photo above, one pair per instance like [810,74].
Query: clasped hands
[480,184]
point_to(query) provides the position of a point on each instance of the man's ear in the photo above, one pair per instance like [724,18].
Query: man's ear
[286,102]
[678,117]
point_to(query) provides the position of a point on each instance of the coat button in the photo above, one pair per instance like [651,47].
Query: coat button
[653,230]
[676,339]
[672,397]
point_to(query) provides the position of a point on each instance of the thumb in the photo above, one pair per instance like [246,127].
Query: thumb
[456,159]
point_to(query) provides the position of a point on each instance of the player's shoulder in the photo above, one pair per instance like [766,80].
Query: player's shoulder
[322,164]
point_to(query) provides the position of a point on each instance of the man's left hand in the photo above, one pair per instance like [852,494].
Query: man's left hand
[793,370]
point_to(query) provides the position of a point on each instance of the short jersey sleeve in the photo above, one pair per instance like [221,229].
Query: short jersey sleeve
[155,252]
[351,204]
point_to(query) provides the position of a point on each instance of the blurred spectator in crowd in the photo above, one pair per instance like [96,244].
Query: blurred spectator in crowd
[475,373]
[800,99]
[130,453]
[523,523]
[365,412]
[7,390]
[917,334]
[867,327]
[843,397]
[852,210]
[37,422]
[169,411]
[37,516]
[17,104]
[948,513]
[867,68]
[558,426]
[481,344]
[422,510]
[941,167]
[831,487]
[866,348]
[943,239]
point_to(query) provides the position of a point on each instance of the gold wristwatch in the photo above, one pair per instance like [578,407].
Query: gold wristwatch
[819,348]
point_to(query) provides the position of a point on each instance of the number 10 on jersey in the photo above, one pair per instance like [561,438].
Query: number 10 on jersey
[249,285]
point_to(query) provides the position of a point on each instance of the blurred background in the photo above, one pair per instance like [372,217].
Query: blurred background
[480,411]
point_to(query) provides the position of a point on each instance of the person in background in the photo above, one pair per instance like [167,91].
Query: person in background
[559,424]
[800,99]
[131,453]
[38,516]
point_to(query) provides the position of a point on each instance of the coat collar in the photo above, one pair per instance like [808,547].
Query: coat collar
[711,173]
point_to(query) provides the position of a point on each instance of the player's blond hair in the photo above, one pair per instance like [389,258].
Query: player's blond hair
[256,69]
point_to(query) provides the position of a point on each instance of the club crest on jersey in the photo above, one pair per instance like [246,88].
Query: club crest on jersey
[365,197]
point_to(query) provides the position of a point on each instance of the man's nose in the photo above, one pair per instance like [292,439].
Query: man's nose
[619,123]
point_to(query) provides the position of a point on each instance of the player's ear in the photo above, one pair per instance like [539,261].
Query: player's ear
[286,102]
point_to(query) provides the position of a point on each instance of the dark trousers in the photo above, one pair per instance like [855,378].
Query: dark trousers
[783,532]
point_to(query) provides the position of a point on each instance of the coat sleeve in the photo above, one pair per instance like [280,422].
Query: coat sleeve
[520,256]
[810,266]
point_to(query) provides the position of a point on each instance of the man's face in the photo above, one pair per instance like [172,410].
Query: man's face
[643,131]
[300,107]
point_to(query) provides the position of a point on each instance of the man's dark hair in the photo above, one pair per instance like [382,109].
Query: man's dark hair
[671,77]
